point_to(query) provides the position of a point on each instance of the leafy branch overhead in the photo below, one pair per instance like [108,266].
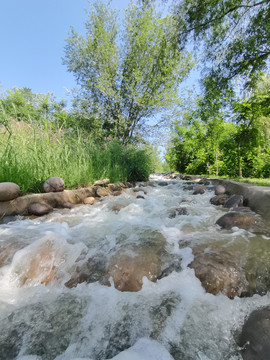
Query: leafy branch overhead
[125,77]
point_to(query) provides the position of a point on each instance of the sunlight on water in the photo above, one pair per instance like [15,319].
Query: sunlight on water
[57,277]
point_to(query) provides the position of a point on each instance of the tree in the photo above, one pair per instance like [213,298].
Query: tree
[235,35]
[126,80]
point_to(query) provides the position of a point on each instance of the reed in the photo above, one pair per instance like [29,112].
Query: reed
[30,153]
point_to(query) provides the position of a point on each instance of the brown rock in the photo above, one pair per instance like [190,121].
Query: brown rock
[219,199]
[9,191]
[219,272]
[117,193]
[101,192]
[115,187]
[54,184]
[102,182]
[39,209]
[128,271]
[90,200]
[68,205]
[241,220]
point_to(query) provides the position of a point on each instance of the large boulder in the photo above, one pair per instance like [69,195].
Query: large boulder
[254,339]
[234,201]
[54,184]
[9,191]
[220,272]
[234,218]
[39,209]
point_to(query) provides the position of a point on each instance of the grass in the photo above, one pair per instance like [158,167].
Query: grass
[253,181]
[29,154]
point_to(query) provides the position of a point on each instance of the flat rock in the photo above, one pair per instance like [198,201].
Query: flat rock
[9,191]
[54,184]
[39,209]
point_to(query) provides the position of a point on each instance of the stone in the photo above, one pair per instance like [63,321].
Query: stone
[241,220]
[90,200]
[177,211]
[234,201]
[127,271]
[220,190]
[219,199]
[163,183]
[219,272]
[39,209]
[255,335]
[117,207]
[140,197]
[117,193]
[115,187]
[101,192]
[199,190]
[54,184]
[68,205]
[102,182]
[9,191]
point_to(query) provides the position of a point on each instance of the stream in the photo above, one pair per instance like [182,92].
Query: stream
[64,294]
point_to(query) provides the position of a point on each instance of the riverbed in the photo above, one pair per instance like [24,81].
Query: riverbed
[59,297]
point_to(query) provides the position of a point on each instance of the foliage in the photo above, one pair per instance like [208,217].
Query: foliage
[124,80]
[235,35]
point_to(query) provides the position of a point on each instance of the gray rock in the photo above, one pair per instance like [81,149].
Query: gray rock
[68,205]
[234,201]
[220,190]
[254,339]
[39,209]
[163,183]
[54,184]
[177,211]
[199,190]
[8,191]
[241,220]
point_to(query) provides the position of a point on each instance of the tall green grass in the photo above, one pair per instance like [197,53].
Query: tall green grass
[29,154]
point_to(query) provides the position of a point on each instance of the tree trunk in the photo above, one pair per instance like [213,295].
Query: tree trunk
[240,172]
[216,163]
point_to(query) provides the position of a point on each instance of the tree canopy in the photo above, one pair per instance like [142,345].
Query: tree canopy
[125,77]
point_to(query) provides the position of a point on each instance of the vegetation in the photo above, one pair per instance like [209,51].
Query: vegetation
[124,80]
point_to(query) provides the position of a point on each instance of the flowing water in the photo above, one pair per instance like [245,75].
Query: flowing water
[170,318]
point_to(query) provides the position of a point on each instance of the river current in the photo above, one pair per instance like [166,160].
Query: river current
[170,318]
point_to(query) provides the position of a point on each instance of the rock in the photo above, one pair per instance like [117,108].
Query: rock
[139,189]
[254,339]
[219,272]
[128,271]
[219,199]
[7,252]
[9,191]
[54,184]
[117,193]
[220,190]
[117,207]
[177,211]
[101,192]
[39,209]
[91,271]
[187,188]
[199,190]
[241,220]
[102,182]
[140,197]
[68,205]
[234,201]
[89,200]
[163,183]
[115,187]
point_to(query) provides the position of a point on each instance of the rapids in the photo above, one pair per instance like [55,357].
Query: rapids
[170,318]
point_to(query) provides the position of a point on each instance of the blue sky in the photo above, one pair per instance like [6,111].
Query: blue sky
[32,38]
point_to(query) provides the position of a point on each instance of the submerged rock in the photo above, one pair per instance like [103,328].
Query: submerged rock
[199,190]
[54,184]
[39,209]
[241,220]
[9,191]
[177,212]
[254,339]
[220,272]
